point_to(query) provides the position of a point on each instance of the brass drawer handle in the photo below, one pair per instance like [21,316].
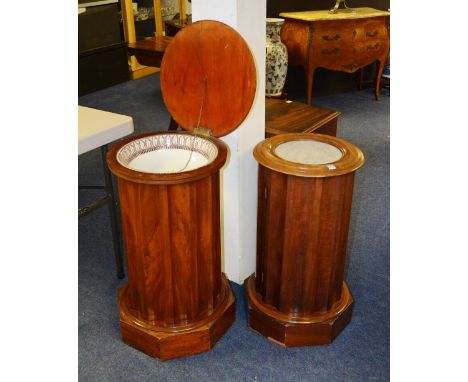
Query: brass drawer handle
[329,38]
[334,51]
[350,66]
[373,34]
[372,47]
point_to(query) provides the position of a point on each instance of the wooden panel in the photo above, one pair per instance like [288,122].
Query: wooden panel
[162,278]
[374,28]
[173,344]
[302,246]
[261,211]
[298,243]
[183,223]
[278,328]
[296,37]
[270,247]
[173,249]
[207,66]
[149,51]
[283,116]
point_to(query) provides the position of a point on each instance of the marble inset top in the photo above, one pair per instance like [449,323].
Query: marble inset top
[308,152]
[326,15]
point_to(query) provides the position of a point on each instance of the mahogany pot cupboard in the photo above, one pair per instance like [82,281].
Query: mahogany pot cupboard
[177,301]
[298,295]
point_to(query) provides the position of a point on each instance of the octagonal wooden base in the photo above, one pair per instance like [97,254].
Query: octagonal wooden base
[292,331]
[165,344]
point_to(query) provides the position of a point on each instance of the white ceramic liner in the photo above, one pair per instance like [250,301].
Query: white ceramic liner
[308,151]
[167,153]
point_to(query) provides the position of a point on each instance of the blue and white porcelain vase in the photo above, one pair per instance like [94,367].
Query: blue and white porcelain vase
[276,58]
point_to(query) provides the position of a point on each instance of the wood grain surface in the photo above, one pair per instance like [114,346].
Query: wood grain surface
[150,51]
[343,45]
[302,233]
[282,116]
[352,157]
[208,77]
[176,294]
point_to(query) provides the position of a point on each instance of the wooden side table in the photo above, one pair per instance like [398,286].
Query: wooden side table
[149,52]
[282,116]
[343,42]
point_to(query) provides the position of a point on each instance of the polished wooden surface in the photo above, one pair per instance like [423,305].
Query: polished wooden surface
[169,178]
[150,51]
[208,77]
[173,250]
[141,71]
[289,333]
[298,295]
[352,157]
[345,44]
[283,116]
[176,301]
[168,344]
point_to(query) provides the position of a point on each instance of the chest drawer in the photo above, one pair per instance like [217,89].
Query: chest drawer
[371,46]
[324,33]
[370,49]
[371,29]
[347,31]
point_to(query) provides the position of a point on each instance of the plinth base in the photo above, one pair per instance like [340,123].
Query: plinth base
[315,330]
[166,345]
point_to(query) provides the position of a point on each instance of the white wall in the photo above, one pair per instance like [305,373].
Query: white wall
[239,177]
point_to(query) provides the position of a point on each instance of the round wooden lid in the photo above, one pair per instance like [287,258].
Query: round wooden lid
[208,77]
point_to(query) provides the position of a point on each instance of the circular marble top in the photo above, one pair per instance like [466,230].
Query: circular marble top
[308,152]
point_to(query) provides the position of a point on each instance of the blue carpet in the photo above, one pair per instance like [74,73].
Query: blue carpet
[360,353]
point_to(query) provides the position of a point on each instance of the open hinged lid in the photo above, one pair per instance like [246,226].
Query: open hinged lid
[208,77]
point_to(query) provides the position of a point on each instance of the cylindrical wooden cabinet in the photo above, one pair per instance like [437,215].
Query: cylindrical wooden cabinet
[177,301]
[298,295]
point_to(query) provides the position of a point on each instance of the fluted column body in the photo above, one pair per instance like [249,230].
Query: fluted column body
[177,301]
[172,238]
[302,234]
[298,295]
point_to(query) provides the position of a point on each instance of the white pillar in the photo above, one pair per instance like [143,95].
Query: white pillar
[239,177]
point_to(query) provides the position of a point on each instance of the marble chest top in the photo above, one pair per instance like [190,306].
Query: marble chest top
[326,15]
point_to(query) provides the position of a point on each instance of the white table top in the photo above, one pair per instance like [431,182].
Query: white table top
[97,128]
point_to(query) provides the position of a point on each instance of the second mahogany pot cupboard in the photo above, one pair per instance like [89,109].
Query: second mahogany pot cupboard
[297,295]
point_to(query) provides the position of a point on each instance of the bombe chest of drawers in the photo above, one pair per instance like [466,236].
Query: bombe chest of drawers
[343,42]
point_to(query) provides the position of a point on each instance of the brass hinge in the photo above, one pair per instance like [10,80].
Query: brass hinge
[202,132]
